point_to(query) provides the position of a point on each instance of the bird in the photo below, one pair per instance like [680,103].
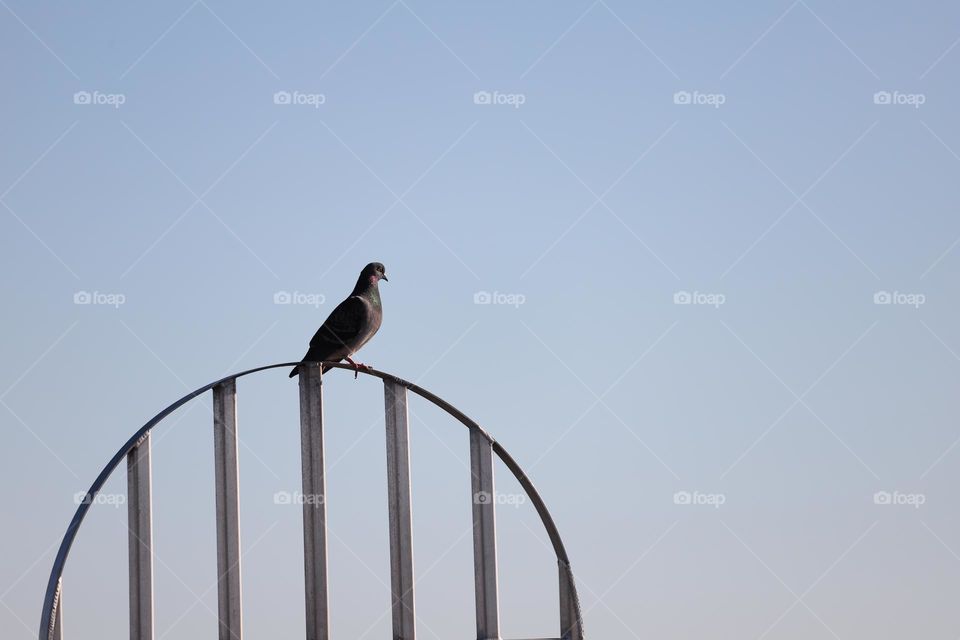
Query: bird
[351,324]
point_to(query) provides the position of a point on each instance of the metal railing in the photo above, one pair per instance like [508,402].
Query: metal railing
[483,447]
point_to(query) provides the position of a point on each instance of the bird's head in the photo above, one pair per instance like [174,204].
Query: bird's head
[374,272]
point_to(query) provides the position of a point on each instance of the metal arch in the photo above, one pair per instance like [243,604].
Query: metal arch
[51,598]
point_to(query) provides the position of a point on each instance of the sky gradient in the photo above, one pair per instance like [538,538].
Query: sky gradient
[694,265]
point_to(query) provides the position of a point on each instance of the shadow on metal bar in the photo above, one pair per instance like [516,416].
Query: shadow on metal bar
[482,445]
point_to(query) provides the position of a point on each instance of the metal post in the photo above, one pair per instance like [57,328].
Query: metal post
[140,540]
[570,622]
[56,627]
[400,510]
[314,502]
[484,536]
[228,510]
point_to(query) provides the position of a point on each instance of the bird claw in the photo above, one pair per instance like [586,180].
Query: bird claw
[356,368]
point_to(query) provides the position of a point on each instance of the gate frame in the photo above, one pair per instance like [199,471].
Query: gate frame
[482,446]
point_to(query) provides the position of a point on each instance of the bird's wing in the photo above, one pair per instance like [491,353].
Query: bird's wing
[342,326]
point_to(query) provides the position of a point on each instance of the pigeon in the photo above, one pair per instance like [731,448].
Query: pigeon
[351,324]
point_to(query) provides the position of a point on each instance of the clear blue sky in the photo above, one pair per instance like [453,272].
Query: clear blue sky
[783,163]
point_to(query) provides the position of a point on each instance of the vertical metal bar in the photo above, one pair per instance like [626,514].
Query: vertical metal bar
[228,510]
[570,622]
[400,511]
[484,537]
[56,625]
[140,540]
[314,502]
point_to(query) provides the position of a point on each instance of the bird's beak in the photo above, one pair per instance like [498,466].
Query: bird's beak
[384,277]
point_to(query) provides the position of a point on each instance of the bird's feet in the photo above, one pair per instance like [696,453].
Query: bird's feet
[357,366]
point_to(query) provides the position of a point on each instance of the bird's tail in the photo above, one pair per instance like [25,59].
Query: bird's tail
[296,370]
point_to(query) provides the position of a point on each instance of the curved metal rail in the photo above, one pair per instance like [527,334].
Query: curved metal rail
[482,443]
